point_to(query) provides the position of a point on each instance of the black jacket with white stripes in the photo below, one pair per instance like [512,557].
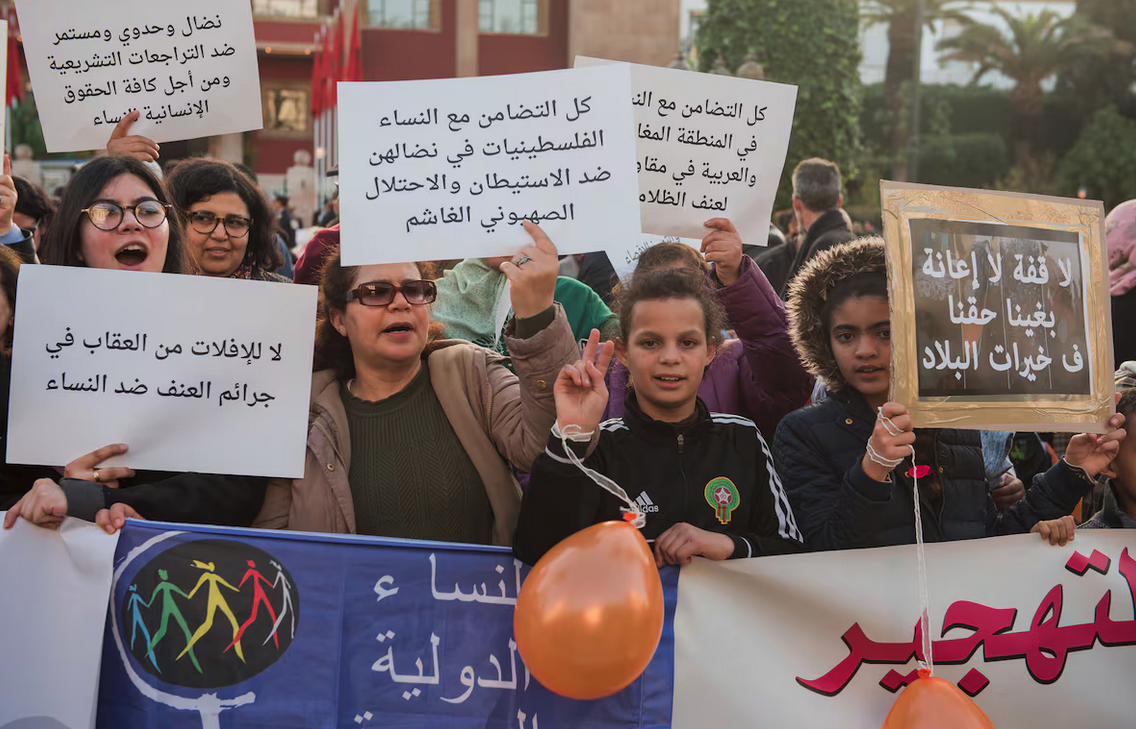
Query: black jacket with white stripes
[675,472]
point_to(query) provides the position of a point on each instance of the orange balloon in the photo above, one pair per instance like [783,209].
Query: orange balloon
[930,702]
[590,615]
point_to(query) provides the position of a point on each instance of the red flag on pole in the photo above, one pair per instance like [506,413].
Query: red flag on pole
[14,90]
[337,67]
[355,53]
[317,77]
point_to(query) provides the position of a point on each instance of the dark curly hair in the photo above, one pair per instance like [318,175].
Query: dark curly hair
[332,349]
[665,284]
[62,243]
[193,180]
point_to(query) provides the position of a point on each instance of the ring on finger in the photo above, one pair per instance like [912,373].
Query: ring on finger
[95,474]
[522,261]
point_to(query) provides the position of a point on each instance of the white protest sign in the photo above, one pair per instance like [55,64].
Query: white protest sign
[707,146]
[450,168]
[1039,636]
[192,373]
[56,583]
[190,69]
[624,258]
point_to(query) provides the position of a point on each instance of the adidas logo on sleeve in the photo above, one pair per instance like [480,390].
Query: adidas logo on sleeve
[645,504]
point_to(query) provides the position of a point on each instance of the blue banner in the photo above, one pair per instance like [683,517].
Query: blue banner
[215,627]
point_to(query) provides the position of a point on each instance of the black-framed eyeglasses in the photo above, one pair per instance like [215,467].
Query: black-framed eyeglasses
[106,215]
[205,222]
[381,293]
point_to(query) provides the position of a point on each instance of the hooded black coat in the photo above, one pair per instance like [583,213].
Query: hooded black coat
[819,450]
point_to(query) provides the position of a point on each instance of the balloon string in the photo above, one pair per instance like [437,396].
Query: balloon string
[634,515]
[926,663]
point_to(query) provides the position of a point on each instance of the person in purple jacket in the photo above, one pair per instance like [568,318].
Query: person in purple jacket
[758,375]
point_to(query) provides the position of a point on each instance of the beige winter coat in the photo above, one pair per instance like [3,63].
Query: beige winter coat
[500,417]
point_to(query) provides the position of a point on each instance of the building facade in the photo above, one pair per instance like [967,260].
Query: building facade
[424,39]
[421,39]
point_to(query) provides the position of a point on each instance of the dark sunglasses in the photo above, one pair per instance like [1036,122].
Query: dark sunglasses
[381,293]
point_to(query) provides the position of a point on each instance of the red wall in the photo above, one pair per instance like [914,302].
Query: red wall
[498,54]
[399,55]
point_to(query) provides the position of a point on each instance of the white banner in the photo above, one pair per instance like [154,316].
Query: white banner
[1041,636]
[707,146]
[450,168]
[189,68]
[192,373]
[55,591]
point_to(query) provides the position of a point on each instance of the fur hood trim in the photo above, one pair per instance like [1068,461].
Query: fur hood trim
[808,294]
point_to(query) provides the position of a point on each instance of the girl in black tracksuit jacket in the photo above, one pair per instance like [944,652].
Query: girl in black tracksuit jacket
[696,475]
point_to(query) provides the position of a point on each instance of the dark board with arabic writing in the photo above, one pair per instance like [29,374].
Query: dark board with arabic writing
[999,310]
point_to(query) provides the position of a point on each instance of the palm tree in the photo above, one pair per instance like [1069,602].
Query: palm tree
[1033,49]
[900,17]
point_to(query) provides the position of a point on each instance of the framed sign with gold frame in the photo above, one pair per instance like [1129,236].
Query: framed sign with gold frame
[999,309]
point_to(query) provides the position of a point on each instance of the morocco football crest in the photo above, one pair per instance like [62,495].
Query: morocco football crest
[722,495]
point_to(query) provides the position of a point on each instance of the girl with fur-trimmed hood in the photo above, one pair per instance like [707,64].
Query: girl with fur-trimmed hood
[846,462]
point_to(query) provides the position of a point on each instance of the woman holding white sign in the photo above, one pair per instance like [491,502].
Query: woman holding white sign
[116,214]
[414,438]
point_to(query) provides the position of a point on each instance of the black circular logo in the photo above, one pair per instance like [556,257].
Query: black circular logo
[209,613]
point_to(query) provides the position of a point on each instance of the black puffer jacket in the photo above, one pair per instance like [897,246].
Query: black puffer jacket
[819,451]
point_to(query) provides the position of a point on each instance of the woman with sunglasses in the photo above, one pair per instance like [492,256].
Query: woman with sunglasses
[115,214]
[230,227]
[413,438]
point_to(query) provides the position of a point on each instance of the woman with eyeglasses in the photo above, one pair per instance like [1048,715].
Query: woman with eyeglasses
[115,214]
[413,438]
[229,225]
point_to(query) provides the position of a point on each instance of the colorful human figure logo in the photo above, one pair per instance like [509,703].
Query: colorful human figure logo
[258,597]
[170,609]
[216,602]
[286,608]
[136,622]
[219,648]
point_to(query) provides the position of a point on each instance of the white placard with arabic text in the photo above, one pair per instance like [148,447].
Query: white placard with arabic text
[624,258]
[1040,636]
[190,69]
[707,146]
[450,168]
[192,373]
